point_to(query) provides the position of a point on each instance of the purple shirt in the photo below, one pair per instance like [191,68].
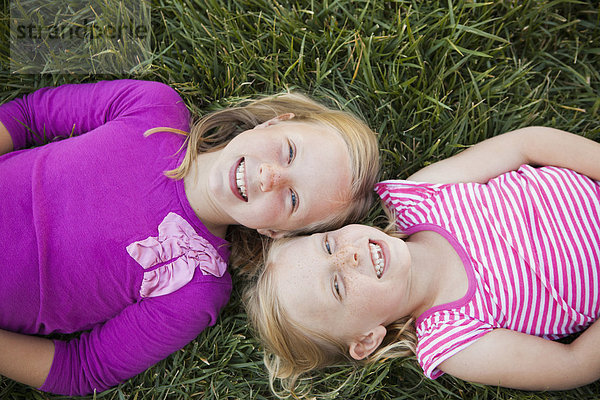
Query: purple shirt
[68,212]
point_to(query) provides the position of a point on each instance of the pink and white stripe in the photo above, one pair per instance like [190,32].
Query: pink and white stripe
[530,243]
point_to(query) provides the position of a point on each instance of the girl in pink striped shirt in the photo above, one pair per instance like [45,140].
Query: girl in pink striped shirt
[496,256]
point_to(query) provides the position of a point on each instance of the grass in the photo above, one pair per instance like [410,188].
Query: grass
[431,77]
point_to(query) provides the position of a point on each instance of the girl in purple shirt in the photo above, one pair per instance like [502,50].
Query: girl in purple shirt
[119,229]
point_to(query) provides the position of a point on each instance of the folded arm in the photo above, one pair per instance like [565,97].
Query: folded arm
[536,146]
[517,360]
[74,109]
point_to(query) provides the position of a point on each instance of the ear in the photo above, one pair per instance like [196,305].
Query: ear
[277,119]
[367,344]
[272,233]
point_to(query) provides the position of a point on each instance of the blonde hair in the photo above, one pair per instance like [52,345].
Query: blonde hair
[292,350]
[215,130]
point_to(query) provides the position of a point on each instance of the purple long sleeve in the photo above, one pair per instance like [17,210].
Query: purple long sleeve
[68,211]
[71,110]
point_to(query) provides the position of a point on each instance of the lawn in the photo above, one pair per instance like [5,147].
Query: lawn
[432,77]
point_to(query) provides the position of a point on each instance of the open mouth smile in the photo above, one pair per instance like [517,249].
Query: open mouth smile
[378,258]
[239,181]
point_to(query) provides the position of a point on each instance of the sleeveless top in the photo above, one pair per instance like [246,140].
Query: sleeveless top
[530,244]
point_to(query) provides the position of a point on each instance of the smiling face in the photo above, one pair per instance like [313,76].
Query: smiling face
[281,176]
[344,283]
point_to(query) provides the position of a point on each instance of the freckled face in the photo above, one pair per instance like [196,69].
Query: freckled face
[332,282]
[282,177]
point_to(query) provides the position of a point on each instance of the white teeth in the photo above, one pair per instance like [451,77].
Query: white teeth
[377,257]
[240,179]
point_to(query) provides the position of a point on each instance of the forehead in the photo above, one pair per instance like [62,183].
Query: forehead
[319,137]
[299,275]
[324,170]
[286,255]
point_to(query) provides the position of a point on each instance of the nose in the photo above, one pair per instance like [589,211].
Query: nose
[349,256]
[271,176]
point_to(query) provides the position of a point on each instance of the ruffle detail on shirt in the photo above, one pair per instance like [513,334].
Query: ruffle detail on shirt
[444,334]
[401,196]
[182,249]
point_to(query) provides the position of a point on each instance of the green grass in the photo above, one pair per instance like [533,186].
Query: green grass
[430,76]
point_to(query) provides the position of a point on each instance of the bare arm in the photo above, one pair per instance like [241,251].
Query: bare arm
[26,359]
[517,360]
[503,153]
[6,144]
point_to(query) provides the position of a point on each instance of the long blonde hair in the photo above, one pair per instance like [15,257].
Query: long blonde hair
[292,351]
[215,130]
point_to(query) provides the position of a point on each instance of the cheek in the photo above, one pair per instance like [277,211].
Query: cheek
[362,297]
[270,204]
[265,213]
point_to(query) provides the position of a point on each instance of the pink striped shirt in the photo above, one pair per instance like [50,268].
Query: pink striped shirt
[530,244]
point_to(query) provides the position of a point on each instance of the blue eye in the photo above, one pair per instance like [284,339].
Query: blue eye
[292,153]
[327,246]
[294,200]
[336,286]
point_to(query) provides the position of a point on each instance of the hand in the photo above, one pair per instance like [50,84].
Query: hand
[6,143]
